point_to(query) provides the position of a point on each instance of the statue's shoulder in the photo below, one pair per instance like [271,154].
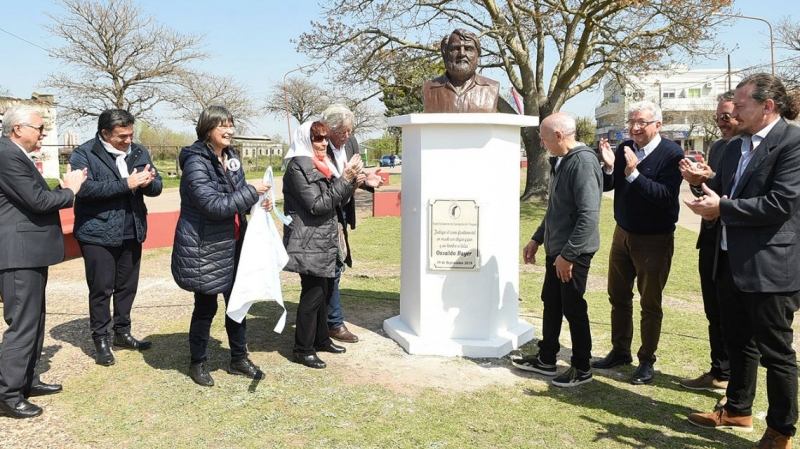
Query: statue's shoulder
[436,82]
[482,80]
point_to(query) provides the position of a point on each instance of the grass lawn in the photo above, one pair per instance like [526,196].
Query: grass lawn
[147,400]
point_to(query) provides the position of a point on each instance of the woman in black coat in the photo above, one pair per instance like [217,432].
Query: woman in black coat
[208,239]
[311,195]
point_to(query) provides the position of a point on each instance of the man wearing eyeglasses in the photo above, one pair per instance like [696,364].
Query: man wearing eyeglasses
[110,226]
[644,174]
[696,174]
[342,145]
[31,241]
[758,262]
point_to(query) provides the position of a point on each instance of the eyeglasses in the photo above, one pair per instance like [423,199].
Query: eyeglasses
[319,139]
[227,128]
[640,123]
[725,117]
[38,128]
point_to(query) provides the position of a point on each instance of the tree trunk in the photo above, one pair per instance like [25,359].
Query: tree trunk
[538,172]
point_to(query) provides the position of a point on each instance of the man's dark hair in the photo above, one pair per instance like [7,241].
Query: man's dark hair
[210,118]
[727,96]
[465,35]
[769,87]
[111,118]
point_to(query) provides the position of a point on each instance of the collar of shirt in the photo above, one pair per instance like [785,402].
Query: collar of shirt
[338,155]
[650,146]
[759,136]
[28,155]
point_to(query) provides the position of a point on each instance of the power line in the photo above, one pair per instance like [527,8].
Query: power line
[26,41]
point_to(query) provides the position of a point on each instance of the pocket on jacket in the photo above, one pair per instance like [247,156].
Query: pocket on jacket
[777,239]
[30,227]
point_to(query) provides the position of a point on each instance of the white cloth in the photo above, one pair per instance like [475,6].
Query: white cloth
[260,264]
[301,143]
[119,156]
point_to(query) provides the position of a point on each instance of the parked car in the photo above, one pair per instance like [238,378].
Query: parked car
[697,154]
[386,160]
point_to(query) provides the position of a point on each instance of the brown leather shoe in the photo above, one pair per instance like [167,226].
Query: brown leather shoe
[722,419]
[774,440]
[342,334]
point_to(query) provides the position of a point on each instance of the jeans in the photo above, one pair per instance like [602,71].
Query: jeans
[335,315]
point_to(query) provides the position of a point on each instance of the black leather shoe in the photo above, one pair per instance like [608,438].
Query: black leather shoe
[333,348]
[104,356]
[126,341]
[245,367]
[43,389]
[309,360]
[644,375]
[22,410]
[611,360]
[199,374]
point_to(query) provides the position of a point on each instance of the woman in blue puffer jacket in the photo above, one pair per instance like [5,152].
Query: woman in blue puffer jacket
[208,239]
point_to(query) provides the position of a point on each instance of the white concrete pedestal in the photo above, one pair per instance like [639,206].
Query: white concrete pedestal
[471,313]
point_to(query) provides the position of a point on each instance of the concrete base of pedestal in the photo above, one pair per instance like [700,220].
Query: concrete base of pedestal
[497,346]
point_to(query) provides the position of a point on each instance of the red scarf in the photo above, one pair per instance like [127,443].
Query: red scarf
[322,165]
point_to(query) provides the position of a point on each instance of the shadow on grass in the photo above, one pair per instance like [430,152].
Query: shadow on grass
[611,395]
[76,333]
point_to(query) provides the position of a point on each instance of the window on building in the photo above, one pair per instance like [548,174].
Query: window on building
[668,93]
[694,93]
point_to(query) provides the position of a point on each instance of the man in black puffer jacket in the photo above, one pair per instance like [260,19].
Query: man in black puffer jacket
[111,224]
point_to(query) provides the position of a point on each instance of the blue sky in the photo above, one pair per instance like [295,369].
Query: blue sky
[250,40]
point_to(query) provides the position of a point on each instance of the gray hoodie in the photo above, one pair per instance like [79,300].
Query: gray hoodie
[570,226]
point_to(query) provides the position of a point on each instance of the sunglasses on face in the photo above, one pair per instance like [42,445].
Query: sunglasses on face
[725,117]
[319,139]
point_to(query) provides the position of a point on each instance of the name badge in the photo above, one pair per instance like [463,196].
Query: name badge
[234,164]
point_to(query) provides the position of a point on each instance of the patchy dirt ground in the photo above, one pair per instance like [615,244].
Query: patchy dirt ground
[69,352]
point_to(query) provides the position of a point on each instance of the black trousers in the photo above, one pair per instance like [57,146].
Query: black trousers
[24,312]
[565,299]
[720,364]
[111,271]
[758,326]
[205,308]
[311,326]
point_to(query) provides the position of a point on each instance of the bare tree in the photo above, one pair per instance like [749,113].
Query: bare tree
[115,57]
[199,90]
[788,35]
[305,99]
[364,41]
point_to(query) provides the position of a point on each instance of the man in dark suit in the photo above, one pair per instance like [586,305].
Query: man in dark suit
[31,240]
[646,181]
[342,145]
[758,261]
[696,174]
[111,225]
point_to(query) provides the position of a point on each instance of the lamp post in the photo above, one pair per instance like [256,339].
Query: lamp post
[286,99]
[771,39]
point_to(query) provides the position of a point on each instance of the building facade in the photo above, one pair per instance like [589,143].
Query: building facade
[46,159]
[688,100]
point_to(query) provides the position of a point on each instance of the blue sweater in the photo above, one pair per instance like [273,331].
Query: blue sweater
[649,204]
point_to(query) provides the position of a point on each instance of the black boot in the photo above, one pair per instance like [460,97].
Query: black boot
[199,374]
[104,355]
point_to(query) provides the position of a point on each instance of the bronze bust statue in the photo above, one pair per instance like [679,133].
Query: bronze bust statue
[460,89]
